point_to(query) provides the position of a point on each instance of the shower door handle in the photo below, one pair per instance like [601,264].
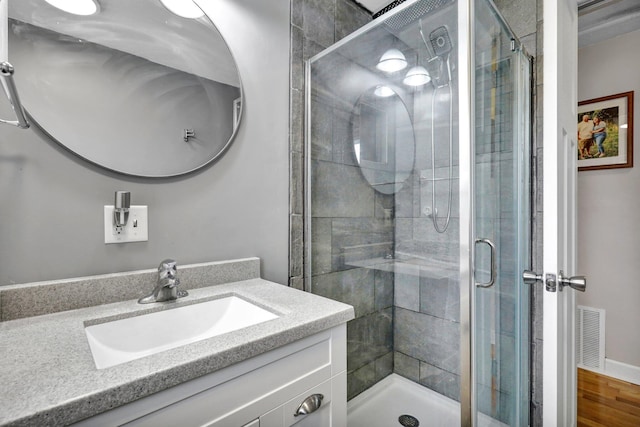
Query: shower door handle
[494,270]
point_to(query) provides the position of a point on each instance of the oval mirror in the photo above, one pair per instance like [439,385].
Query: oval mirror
[383,139]
[133,87]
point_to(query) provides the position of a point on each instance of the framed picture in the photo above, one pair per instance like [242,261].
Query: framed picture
[605,132]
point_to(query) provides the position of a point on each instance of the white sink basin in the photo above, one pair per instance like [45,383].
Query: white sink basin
[120,341]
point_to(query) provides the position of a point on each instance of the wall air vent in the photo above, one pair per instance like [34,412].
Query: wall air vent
[590,337]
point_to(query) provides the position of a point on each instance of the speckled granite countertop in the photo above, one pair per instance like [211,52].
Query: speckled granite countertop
[48,377]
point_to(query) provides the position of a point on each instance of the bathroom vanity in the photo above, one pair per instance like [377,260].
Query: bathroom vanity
[287,370]
[267,390]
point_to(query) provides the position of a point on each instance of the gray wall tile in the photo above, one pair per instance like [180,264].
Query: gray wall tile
[407,292]
[343,152]
[296,191]
[427,338]
[296,13]
[349,232]
[349,17]
[369,338]
[318,21]
[296,131]
[297,57]
[330,197]
[321,128]
[296,247]
[440,298]
[406,366]
[321,248]
[354,287]
[384,366]
[384,290]
[439,380]
[360,380]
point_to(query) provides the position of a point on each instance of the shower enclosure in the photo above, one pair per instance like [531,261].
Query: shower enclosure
[417,212]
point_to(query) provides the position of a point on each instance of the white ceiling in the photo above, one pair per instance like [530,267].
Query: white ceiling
[374,5]
[603,19]
[598,19]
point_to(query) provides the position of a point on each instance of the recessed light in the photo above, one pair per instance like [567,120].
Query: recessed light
[183,8]
[391,61]
[383,91]
[76,7]
[417,76]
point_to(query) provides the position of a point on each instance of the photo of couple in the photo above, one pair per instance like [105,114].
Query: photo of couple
[605,132]
[598,133]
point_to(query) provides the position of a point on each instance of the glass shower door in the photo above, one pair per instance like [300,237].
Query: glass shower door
[411,200]
[501,200]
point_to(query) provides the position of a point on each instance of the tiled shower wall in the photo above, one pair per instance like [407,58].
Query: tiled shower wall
[315,25]
[348,213]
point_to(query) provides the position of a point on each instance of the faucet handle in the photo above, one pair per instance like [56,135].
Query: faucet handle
[168,268]
[168,264]
[168,273]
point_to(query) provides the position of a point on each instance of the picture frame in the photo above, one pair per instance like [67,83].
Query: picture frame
[609,121]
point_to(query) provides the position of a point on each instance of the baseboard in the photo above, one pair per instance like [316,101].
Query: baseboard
[619,370]
[622,371]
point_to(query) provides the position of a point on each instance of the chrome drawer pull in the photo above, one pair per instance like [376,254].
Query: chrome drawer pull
[309,405]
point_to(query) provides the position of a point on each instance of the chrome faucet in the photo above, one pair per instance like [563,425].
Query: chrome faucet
[167,286]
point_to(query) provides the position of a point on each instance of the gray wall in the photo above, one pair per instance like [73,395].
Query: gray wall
[608,205]
[51,212]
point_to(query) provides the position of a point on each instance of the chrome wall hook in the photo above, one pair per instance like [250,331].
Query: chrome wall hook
[189,133]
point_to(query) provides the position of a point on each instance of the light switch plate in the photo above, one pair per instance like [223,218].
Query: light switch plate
[136,230]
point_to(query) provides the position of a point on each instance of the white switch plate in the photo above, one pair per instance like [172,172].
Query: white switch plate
[136,230]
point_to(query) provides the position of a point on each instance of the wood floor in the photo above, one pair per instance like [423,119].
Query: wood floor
[606,401]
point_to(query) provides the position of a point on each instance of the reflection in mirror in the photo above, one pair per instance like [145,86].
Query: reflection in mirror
[383,139]
[133,88]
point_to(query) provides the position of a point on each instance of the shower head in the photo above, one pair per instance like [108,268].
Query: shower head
[439,65]
[440,41]
[411,14]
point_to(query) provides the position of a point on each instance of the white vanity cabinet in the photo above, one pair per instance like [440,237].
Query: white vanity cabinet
[264,391]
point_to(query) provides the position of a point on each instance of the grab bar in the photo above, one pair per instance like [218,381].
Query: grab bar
[6,76]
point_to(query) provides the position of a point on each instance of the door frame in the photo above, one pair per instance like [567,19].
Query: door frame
[559,201]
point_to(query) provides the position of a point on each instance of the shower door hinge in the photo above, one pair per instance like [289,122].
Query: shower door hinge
[513,45]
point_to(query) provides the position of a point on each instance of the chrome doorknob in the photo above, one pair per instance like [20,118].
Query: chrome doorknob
[529,277]
[579,283]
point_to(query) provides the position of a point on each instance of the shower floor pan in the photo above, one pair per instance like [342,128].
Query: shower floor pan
[385,402]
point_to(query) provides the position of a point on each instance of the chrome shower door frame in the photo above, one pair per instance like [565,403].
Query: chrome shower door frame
[466,155]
